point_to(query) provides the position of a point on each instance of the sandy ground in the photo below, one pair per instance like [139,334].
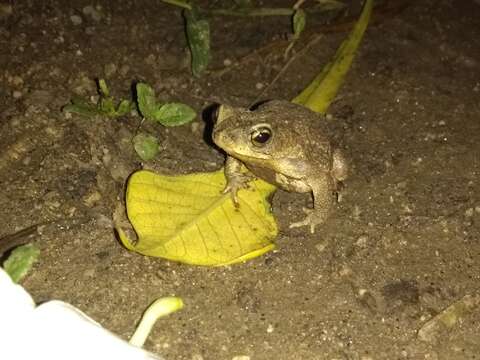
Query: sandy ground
[402,245]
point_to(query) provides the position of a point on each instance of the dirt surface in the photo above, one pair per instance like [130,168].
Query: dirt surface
[402,245]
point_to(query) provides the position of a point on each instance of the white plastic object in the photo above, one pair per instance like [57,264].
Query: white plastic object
[55,330]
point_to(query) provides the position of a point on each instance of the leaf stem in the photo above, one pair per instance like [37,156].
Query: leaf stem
[159,308]
[180,3]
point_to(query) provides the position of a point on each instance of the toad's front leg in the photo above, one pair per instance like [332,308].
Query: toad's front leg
[322,190]
[236,179]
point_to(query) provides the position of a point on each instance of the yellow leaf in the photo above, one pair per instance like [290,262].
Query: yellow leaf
[322,90]
[187,218]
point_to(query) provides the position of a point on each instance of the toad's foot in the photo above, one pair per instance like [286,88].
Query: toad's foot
[236,182]
[314,217]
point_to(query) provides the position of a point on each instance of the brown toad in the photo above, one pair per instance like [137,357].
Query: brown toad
[286,145]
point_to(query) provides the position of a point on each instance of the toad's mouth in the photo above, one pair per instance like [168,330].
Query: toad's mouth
[238,149]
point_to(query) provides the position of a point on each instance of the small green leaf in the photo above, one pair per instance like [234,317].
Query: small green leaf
[299,22]
[82,107]
[174,114]
[124,107]
[106,106]
[146,146]
[146,101]
[198,37]
[103,88]
[20,261]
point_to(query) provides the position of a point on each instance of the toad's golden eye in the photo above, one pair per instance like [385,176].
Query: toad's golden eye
[261,135]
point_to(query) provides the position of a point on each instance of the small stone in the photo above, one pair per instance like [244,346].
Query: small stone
[259,86]
[90,30]
[124,69]
[321,246]
[151,60]
[17,94]
[241,357]
[110,69]
[16,81]
[26,160]
[270,328]
[94,12]
[227,62]
[195,126]
[76,20]
[89,273]
[361,241]
[92,198]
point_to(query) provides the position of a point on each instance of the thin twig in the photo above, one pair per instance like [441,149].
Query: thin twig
[382,12]
[302,52]
[19,238]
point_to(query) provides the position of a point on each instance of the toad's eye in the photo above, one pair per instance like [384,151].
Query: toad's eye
[261,135]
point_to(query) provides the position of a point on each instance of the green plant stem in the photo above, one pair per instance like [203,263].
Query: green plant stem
[252,12]
[180,3]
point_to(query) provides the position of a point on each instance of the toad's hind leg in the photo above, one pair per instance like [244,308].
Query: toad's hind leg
[322,190]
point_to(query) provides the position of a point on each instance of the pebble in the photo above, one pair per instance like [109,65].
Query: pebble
[16,81]
[361,241]
[94,13]
[124,69]
[321,246]
[110,69]
[92,198]
[76,20]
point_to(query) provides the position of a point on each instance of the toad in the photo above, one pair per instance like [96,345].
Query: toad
[286,145]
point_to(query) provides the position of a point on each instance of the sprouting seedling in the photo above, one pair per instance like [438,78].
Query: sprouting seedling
[159,308]
[146,146]
[167,114]
[106,105]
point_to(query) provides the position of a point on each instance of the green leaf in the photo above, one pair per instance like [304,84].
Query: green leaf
[146,101]
[82,107]
[106,106]
[124,107]
[299,22]
[20,261]
[146,146]
[198,37]
[174,114]
[103,88]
